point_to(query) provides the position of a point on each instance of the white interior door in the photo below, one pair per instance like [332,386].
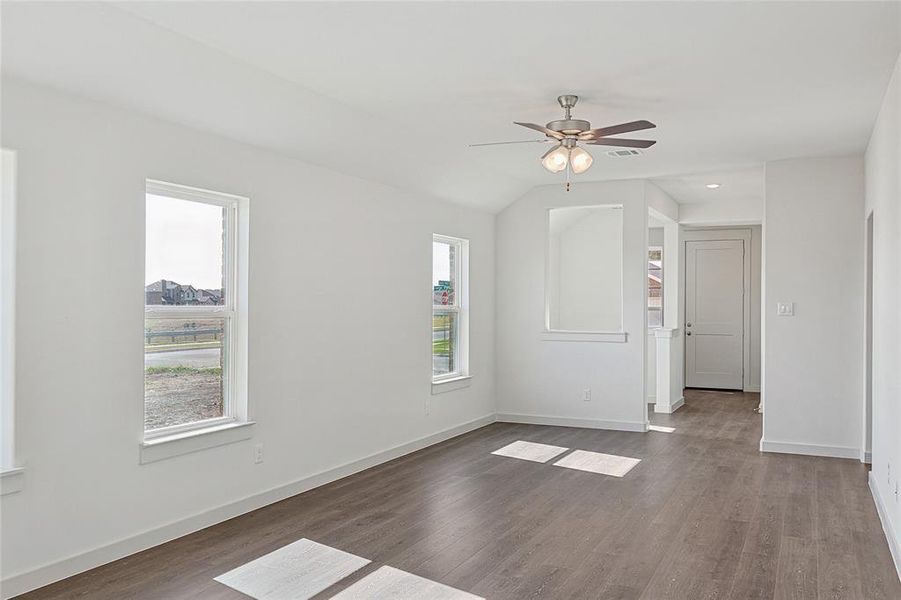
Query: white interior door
[714,314]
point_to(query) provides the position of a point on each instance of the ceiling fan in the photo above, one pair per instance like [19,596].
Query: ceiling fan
[567,133]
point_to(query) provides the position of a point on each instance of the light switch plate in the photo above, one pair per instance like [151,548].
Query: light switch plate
[785,309]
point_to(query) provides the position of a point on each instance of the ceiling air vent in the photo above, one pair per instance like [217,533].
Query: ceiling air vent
[623,152]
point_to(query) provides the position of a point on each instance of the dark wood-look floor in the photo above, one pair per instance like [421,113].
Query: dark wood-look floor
[704,515]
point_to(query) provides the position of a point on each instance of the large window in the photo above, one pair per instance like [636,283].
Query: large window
[450,302]
[194,346]
[655,287]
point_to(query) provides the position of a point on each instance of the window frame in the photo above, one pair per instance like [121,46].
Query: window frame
[662,284]
[460,308]
[233,311]
[8,464]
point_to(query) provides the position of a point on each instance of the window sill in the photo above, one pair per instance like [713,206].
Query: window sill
[449,385]
[12,480]
[178,444]
[618,337]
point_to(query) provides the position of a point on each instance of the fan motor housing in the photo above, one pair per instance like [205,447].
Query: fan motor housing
[569,126]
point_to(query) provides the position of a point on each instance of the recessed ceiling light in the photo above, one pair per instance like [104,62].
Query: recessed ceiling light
[712,186]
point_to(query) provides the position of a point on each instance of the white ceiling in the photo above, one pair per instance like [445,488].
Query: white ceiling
[395,92]
[736,186]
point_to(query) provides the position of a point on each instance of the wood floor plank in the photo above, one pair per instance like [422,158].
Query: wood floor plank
[704,516]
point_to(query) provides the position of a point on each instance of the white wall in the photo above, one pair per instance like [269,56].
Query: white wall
[883,198]
[813,254]
[731,212]
[334,376]
[538,378]
[586,264]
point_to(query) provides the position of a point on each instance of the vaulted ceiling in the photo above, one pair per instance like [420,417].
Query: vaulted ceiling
[396,92]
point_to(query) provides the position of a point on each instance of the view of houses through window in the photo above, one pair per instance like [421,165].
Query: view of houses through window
[655,287]
[187,313]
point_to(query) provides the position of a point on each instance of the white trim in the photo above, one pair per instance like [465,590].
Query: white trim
[156,187]
[745,235]
[12,480]
[8,310]
[449,385]
[753,389]
[885,519]
[617,337]
[460,307]
[666,332]
[20,583]
[233,312]
[572,422]
[192,440]
[658,408]
[809,449]
[869,265]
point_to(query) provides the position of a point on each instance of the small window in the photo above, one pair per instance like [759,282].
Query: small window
[655,287]
[450,268]
[193,342]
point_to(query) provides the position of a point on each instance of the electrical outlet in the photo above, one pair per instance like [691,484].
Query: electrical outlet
[785,309]
[258,454]
[586,395]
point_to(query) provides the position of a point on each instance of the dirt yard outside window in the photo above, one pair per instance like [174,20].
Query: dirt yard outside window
[177,395]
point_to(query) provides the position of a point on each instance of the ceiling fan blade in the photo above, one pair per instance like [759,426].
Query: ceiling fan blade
[616,129]
[623,142]
[544,141]
[542,129]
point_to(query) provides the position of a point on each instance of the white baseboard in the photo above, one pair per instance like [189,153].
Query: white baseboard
[571,422]
[866,457]
[23,582]
[659,408]
[651,399]
[809,449]
[752,388]
[894,545]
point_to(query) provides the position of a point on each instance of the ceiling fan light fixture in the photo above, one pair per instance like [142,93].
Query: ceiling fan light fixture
[555,159]
[580,160]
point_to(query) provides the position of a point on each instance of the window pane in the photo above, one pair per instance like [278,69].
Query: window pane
[655,288]
[444,277]
[183,362]
[444,341]
[184,252]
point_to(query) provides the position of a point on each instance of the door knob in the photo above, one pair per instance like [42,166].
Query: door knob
[688,324]
[688,333]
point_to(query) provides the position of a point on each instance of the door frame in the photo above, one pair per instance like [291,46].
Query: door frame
[869,265]
[718,235]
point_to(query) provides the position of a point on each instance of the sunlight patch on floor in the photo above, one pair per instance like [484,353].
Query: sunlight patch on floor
[530,451]
[661,428]
[597,462]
